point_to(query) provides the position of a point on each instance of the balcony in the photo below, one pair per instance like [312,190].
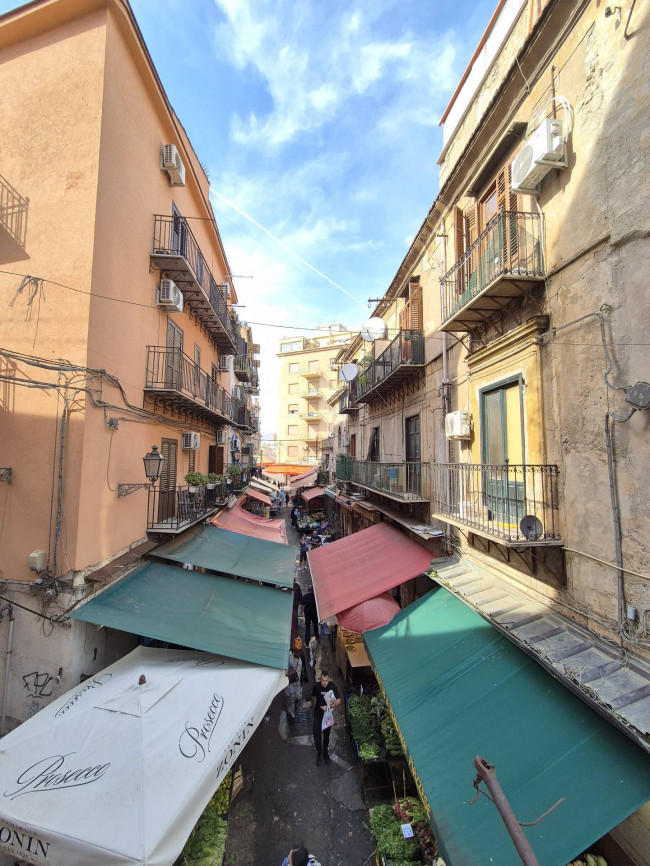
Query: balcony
[347,400]
[245,370]
[312,415]
[310,373]
[327,444]
[514,505]
[176,252]
[240,415]
[402,360]
[172,511]
[503,264]
[310,392]
[405,482]
[175,382]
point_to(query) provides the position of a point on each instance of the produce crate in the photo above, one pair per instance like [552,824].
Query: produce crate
[381,757]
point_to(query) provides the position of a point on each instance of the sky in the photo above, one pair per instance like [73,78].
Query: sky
[317,124]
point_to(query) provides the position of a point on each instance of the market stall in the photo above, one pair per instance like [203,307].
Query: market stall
[314,498]
[119,769]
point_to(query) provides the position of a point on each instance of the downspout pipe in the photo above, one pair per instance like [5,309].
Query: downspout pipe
[10,649]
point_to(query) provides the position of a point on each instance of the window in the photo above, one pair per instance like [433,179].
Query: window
[313,366]
[410,318]
[292,451]
[293,388]
[294,367]
[294,346]
[502,445]
[293,408]
[373,445]
[292,430]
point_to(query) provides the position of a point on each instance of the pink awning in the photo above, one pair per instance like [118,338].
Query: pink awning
[372,613]
[258,496]
[305,478]
[312,493]
[363,565]
[237,520]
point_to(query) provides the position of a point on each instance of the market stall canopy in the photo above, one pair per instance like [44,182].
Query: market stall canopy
[252,493]
[458,689]
[369,614]
[307,477]
[239,521]
[232,553]
[114,772]
[363,565]
[216,614]
[285,469]
[264,486]
[312,493]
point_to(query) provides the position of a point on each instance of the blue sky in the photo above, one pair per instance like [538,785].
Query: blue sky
[319,120]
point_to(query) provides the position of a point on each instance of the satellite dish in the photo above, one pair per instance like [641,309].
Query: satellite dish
[373,329]
[531,527]
[348,372]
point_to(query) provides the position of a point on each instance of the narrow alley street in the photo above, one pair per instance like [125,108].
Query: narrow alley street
[286,798]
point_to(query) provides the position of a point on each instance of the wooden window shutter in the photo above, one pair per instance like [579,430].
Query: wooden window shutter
[404,317]
[415,305]
[459,233]
[192,461]
[471,223]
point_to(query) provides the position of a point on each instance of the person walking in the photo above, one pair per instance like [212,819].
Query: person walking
[293,691]
[298,856]
[308,602]
[304,549]
[294,517]
[324,697]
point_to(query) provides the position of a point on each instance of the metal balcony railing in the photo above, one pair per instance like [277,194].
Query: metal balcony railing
[516,504]
[173,372]
[396,362]
[327,444]
[347,400]
[404,481]
[311,373]
[244,368]
[172,240]
[510,248]
[175,509]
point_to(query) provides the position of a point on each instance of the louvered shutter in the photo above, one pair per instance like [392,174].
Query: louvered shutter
[415,306]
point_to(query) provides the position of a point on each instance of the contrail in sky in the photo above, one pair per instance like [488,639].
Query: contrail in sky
[284,246]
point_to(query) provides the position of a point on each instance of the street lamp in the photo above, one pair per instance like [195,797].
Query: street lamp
[153,464]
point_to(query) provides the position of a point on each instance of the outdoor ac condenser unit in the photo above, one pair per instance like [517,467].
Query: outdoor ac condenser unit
[544,150]
[458,425]
[220,437]
[191,441]
[171,162]
[170,296]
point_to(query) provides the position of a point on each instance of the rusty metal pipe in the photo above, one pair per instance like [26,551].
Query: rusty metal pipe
[487,774]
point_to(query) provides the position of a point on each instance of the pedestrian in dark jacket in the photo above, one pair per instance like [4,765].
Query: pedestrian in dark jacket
[311,615]
[294,517]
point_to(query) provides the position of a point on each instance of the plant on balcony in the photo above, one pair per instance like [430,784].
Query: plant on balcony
[364,365]
[214,480]
[195,480]
[234,471]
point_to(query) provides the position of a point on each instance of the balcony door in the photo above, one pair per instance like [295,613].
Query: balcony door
[167,488]
[413,455]
[179,232]
[502,444]
[174,356]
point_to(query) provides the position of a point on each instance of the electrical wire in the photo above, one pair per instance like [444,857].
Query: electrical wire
[28,609]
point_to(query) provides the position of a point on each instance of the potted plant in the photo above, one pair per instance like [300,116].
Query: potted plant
[194,480]
[214,479]
[233,471]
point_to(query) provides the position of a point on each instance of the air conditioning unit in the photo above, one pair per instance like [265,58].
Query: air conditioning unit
[223,362]
[171,162]
[345,441]
[191,441]
[170,296]
[236,392]
[221,437]
[458,425]
[544,150]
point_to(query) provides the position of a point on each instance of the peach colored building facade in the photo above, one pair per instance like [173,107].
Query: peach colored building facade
[94,369]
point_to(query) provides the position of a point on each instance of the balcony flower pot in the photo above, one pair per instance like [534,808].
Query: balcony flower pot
[194,480]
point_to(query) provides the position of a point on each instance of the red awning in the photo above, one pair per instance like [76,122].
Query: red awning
[258,496]
[305,477]
[237,520]
[363,565]
[312,493]
[373,613]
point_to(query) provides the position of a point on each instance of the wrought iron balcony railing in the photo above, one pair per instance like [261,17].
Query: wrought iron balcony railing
[245,369]
[348,399]
[327,444]
[514,504]
[408,481]
[504,259]
[174,510]
[399,360]
[175,250]
[171,372]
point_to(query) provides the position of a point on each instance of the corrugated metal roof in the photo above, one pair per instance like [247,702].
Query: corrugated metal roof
[604,675]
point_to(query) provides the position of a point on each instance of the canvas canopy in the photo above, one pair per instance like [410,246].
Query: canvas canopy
[117,772]
[363,565]
[458,689]
[234,618]
[265,529]
[312,493]
[258,496]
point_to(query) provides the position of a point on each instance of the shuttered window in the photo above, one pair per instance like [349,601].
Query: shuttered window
[411,315]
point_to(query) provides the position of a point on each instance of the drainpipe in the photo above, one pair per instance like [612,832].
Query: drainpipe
[10,647]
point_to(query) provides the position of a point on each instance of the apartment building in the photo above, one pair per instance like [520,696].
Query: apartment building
[307,379]
[502,404]
[117,332]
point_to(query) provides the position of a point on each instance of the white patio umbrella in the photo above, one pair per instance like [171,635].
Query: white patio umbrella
[119,770]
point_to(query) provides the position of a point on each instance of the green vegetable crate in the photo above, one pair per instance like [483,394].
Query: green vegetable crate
[206,845]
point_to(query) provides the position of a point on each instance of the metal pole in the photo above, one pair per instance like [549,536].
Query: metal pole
[486,774]
[10,647]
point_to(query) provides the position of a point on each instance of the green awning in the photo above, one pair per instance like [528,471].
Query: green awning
[217,614]
[232,553]
[459,689]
